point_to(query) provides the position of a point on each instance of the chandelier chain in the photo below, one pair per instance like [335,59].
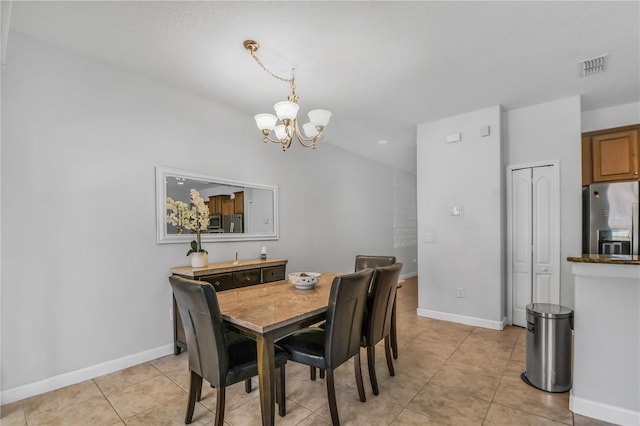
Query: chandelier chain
[288,80]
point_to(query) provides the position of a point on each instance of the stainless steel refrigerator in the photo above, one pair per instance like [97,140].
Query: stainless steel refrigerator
[610,223]
[233,223]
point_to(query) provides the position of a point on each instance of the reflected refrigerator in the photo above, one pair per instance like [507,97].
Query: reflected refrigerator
[610,223]
[233,223]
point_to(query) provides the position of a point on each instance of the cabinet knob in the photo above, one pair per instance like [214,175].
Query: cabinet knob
[635,173]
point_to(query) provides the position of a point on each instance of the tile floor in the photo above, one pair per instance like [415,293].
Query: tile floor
[446,374]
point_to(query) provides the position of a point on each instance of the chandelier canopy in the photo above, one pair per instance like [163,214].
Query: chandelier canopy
[286,113]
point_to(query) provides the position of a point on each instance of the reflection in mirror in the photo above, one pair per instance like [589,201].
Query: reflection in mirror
[238,211]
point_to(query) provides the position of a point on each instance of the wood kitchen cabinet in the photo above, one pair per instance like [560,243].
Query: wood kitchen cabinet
[587,162]
[227,206]
[224,205]
[215,205]
[611,155]
[226,276]
[238,202]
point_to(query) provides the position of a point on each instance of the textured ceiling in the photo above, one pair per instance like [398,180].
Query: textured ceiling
[380,67]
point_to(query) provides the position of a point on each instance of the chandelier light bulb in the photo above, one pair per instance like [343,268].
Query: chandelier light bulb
[281,132]
[319,117]
[266,121]
[286,110]
[310,130]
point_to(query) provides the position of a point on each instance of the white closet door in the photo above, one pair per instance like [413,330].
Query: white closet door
[534,241]
[521,197]
[544,256]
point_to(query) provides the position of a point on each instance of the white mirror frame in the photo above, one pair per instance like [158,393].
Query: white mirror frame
[162,173]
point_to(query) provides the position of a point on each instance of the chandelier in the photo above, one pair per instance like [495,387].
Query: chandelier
[286,112]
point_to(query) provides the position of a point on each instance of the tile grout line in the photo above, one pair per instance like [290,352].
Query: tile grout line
[434,374]
[495,392]
[24,413]
[520,409]
[500,381]
[108,402]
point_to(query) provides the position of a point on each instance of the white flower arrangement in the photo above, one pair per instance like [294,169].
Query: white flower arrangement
[193,218]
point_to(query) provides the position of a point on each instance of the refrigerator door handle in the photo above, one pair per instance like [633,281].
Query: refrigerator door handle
[635,228]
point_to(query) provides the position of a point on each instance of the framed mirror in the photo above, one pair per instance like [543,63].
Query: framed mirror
[238,211]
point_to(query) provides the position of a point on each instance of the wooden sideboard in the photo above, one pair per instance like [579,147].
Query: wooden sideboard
[226,276]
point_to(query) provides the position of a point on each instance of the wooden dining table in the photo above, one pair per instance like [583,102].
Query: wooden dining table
[268,312]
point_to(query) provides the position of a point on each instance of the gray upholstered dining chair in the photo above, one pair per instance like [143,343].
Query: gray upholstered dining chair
[369,261]
[366,261]
[328,348]
[377,319]
[219,355]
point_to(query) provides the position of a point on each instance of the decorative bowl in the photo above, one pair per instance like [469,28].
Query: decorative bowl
[304,280]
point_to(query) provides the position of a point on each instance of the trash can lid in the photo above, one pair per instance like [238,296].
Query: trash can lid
[549,310]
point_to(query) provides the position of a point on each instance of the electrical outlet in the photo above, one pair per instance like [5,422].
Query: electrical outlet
[460,292]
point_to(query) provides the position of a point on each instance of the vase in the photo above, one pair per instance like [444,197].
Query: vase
[199,260]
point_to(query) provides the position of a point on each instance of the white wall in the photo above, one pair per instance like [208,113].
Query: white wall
[468,252]
[84,285]
[606,355]
[405,221]
[545,132]
[615,116]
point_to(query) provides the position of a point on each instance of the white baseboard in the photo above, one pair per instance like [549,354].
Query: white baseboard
[56,382]
[478,322]
[408,275]
[605,412]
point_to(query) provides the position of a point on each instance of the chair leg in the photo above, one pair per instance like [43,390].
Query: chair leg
[247,386]
[371,361]
[331,396]
[387,351]
[394,335]
[281,397]
[195,384]
[199,391]
[321,373]
[358,370]
[313,372]
[220,406]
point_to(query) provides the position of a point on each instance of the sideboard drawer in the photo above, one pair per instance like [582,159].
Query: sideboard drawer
[274,273]
[220,282]
[245,278]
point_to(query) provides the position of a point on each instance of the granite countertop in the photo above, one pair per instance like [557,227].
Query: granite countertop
[222,267]
[615,259]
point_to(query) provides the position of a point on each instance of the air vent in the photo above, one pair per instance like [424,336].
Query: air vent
[593,65]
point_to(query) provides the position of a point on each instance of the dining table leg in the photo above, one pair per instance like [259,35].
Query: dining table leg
[267,378]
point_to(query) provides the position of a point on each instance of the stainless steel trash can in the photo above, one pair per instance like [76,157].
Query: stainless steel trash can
[548,365]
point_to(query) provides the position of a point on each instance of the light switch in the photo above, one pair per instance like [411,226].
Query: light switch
[431,237]
[456,211]
[454,137]
[485,131]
